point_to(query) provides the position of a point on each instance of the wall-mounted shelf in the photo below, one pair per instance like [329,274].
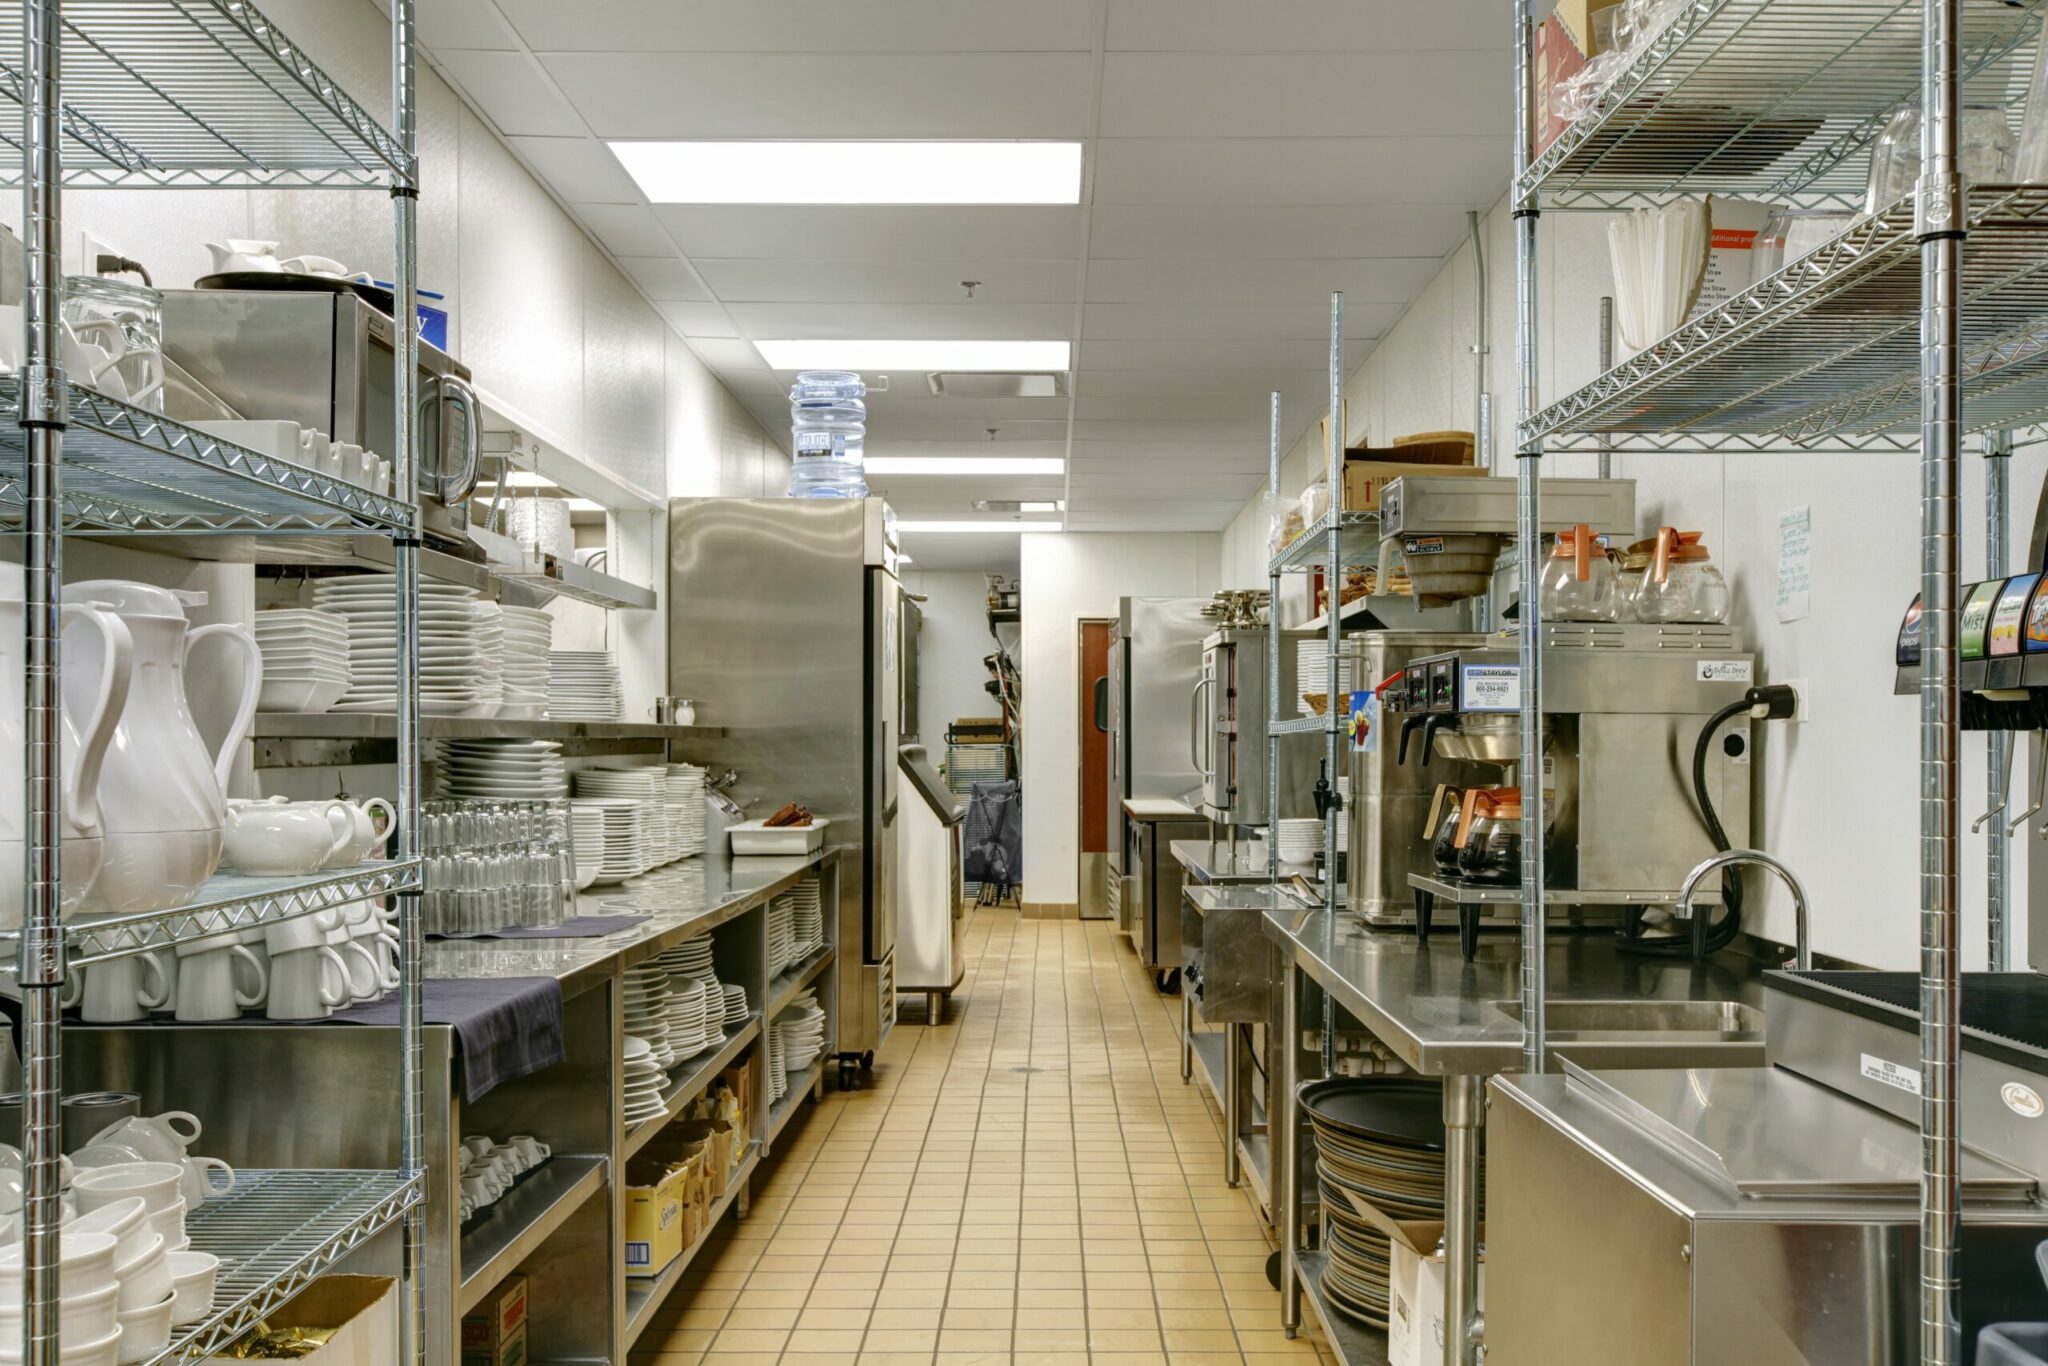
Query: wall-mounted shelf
[1311,549]
[553,577]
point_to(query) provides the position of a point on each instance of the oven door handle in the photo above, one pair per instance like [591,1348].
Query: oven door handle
[1195,726]
[457,392]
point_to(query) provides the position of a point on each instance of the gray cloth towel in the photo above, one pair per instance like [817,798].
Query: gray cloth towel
[505,1027]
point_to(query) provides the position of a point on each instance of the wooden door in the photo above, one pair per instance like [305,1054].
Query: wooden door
[1094,728]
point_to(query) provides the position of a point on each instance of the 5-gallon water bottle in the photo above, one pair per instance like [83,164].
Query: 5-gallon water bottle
[829,420]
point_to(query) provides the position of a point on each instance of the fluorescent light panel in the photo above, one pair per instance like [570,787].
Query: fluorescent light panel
[827,354]
[521,479]
[854,172]
[967,464]
[973,528]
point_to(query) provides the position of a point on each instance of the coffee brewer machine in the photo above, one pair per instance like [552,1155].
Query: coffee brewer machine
[1624,709]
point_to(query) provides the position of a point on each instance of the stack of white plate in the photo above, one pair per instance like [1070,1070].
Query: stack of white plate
[810,917]
[686,794]
[778,1076]
[782,940]
[1312,674]
[503,770]
[1344,821]
[802,1030]
[583,685]
[1301,839]
[305,659]
[692,1027]
[586,837]
[529,636]
[645,1081]
[459,646]
[647,1001]
[735,1004]
[691,958]
[626,851]
[648,785]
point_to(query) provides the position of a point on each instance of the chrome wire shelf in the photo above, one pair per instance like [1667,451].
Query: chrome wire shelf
[1301,725]
[278,1231]
[565,580]
[1827,351]
[196,93]
[1311,549]
[128,471]
[1768,99]
[228,902]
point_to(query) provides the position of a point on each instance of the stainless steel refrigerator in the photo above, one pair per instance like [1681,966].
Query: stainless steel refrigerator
[785,629]
[1155,664]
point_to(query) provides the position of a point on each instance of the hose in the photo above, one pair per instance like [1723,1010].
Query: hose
[1721,933]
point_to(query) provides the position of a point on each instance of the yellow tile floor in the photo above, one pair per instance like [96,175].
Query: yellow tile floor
[1030,1182]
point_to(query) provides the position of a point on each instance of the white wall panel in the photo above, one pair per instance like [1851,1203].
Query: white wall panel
[624,372]
[950,648]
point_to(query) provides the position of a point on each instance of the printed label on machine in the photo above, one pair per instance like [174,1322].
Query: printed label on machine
[1491,687]
[1889,1073]
[1727,671]
[1365,721]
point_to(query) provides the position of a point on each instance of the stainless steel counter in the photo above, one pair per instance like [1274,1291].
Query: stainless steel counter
[1223,863]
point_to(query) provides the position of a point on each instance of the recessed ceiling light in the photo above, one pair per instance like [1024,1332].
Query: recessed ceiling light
[828,354]
[584,505]
[521,479]
[1019,505]
[967,464]
[971,528]
[854,172]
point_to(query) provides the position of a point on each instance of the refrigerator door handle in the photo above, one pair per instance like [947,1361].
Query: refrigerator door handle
[1195,725]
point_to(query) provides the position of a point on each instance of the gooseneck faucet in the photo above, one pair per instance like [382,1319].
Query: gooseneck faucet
[1802,950]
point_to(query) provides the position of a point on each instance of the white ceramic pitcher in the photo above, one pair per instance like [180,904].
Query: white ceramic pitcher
[165,797]
[99,678]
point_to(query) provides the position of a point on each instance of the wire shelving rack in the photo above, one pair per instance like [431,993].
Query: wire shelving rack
[195,93]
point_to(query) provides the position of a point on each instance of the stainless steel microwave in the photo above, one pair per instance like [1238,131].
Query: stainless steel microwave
[325,361]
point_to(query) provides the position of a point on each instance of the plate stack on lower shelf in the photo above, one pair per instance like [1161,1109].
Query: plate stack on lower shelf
[645,1082]
[1381,1139]
[647,1011]
[794,1041]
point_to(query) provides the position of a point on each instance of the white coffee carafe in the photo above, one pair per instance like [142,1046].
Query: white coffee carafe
[100,681]
[164,797]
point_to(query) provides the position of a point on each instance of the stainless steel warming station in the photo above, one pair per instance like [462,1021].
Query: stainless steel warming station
[1155,671]
[786,616]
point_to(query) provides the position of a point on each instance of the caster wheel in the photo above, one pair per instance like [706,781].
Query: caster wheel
[867,1061]
[1168,981]
[846,1076]
[1273,1260]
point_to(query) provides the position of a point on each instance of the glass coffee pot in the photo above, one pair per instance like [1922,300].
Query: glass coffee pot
[1490,835]
[1579,581]
[1682,583]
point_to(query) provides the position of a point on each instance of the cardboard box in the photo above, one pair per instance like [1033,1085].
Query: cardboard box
[496,1318]
[1415,1284]
[655,1194]
[1365,478]
[509,1351]
[1557,58]
[363,1311]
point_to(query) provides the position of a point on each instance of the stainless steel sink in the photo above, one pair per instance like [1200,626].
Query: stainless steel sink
[1627,1034]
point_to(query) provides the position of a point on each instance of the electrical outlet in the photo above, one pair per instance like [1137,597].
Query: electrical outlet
[1797,685]
[90,249]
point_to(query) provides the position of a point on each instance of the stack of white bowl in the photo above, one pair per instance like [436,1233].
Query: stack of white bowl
[646,1082]
[801,1027]
[1301,839]
[305,659]
[529,636]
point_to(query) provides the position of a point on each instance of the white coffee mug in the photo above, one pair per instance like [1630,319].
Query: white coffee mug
[300,932]
[207,989]
[118,990]
[307,984]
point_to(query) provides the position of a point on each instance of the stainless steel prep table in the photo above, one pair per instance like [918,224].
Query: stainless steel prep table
[1220,863]
[1446,1017]
[563,1224]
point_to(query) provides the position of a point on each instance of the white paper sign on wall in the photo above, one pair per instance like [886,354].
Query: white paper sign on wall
[1795,564]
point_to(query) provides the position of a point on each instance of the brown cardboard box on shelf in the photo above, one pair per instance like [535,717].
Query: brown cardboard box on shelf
[1367,476]
[362,1311]
[1434,448]
[719,1140]
[655,1193]
[1557,57]
[508,1351]
[495,1320]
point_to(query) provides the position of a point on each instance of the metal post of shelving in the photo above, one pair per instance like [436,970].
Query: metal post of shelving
[44,412]
[1606,465]
[406,562]
[1939,215]
[1333,627]
[1528,551]
[2000,743]
[1272,647]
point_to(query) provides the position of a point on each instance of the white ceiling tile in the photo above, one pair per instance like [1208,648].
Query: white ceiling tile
[1468,170]
[625,229]
[944,430]
[910,399]
[1305,25]
[1205,353]
[580,169]
[1391,279]
[444,25]
[1181,382]
[635,94]
[1252,231]
[726,356]
[1241,431]
[1020,322]
[889,282]
[807,25]
[699,320]
[1125,322]
[1331,94]
[665,279]
[896,234]
[512,93]
[753,384]
[1205,407]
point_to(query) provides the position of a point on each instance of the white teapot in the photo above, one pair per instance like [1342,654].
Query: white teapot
[275,838]
[96,680]
[358,821]
[247,254]
[165,797]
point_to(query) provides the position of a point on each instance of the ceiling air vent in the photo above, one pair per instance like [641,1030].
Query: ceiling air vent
[997,384]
